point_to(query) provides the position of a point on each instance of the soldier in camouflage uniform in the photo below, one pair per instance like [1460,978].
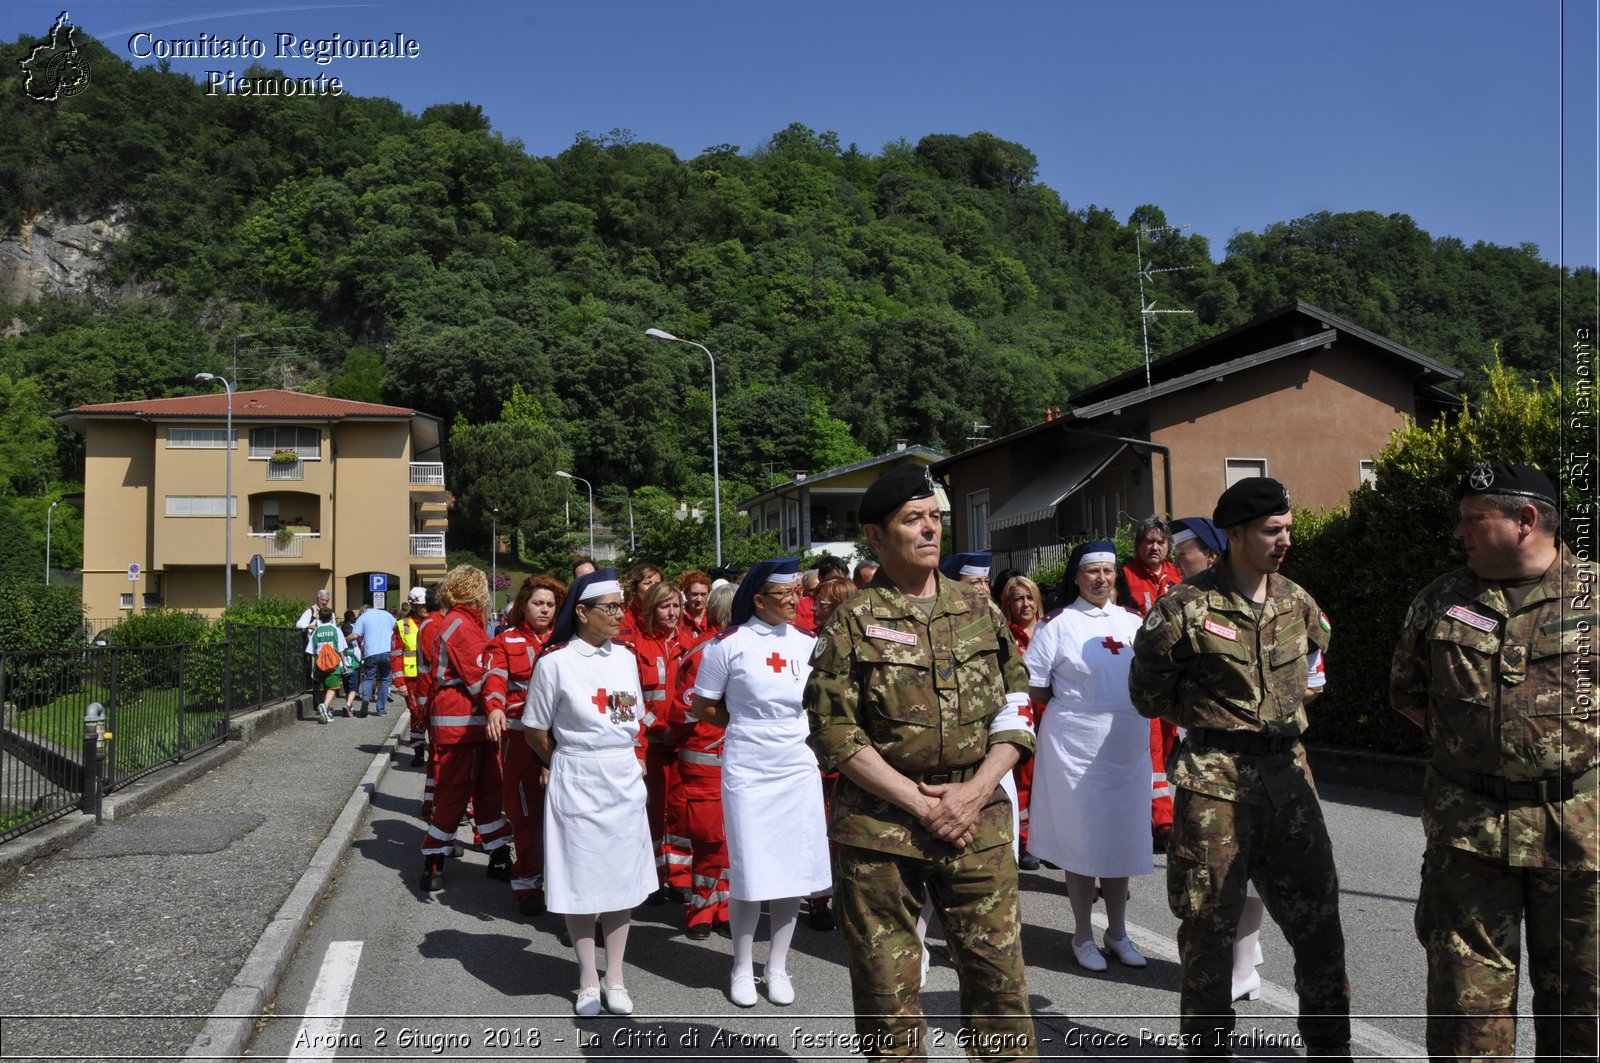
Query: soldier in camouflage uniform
[1225,656]
[1492,663]
[918,698]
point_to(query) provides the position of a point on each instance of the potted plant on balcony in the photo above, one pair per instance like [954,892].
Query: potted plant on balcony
[284,536]
[284,457]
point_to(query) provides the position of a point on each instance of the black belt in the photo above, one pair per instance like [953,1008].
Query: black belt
[1520,791]
[1241,741]
[950,774]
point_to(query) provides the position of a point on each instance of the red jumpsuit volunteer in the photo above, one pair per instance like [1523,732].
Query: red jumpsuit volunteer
[1150,575]
[465,754]
[655,645]
[635,585]
[1023,605]
[700,784]
[505,686]
[696,624]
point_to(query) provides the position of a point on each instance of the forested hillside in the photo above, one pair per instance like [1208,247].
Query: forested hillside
[851,294]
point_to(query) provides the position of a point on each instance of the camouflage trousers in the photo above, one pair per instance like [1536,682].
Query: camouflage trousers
[877,897]
[1219,846]
[1470,914]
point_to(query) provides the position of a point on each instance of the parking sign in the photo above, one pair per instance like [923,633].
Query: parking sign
[133,572]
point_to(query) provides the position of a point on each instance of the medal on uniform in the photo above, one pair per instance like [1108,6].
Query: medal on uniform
[622,708]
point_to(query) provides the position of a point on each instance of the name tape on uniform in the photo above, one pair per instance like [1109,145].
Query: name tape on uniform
[1222,631]
[1467,616]
[905,638]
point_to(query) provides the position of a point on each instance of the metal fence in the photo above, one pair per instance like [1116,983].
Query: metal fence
[162,704]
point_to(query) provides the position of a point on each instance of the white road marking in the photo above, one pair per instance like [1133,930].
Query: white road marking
[1363,1034]
[318,1036]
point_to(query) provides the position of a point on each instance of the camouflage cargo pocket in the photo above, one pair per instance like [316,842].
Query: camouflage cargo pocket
[1190,887]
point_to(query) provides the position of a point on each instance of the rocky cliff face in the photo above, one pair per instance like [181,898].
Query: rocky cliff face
[52,255]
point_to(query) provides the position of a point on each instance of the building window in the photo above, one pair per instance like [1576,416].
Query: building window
[1369,474]
[199,438]
[306,442]
[791,511]
[1237,469]
[125,601]
[201,506]
[978,520]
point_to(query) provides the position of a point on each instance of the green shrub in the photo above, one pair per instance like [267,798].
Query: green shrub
[35,617]
[159,627]
[268,612]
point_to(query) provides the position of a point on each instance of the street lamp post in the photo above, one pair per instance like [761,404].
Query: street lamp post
[716,471]
[227,497]
[494,559]
[585,483]
[48,514]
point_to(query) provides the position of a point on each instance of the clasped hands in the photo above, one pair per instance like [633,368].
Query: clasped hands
[950,810]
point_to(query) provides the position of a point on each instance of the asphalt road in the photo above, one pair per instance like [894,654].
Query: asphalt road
[388,972]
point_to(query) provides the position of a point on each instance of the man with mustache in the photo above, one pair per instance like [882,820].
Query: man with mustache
[1224,655]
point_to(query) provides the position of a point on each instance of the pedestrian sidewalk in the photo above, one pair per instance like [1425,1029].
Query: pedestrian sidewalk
[121,939]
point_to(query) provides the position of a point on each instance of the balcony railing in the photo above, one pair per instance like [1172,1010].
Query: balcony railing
[427,474]
[427,546]
[286,470]
[271,547]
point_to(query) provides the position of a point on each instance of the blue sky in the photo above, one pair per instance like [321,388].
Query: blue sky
[1228,115]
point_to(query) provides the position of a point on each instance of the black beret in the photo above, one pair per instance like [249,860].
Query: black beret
[1507,478]
[1255,496]
[902,484]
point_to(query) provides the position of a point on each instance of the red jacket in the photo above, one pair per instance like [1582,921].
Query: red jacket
[658,656]
[691,631]
[1146,586]
[805,614]
[700,748]
[422,685]
[455,707]
[509,668]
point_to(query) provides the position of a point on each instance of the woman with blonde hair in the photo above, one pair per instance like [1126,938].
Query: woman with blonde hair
[1023,605]
[655,645]
[466,760]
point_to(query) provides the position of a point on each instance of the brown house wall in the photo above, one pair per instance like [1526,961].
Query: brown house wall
[1314,418]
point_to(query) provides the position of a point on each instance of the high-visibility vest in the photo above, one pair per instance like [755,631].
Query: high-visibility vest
[408,643]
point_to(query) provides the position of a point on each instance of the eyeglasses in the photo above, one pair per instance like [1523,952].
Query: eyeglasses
[784,595]
[614,608]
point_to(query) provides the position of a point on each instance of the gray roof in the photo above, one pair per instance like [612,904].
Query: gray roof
[915,450]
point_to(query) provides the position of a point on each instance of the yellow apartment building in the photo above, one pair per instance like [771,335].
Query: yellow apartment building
[329,493]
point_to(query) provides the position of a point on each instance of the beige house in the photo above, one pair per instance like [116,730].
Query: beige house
[329,493]
[1300,395]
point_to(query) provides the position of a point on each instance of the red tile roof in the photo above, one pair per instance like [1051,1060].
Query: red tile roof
[275,404]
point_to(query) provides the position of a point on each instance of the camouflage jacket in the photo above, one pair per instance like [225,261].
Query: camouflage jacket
[1509,695]
[923,692]
[1203,659]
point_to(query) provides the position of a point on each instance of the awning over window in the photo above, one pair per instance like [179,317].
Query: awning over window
[1041,495]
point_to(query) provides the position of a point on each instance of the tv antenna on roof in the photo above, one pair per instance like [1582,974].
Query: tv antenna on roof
[1147,273]
[978,431]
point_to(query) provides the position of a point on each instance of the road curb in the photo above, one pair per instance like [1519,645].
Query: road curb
[17,854]
[233,1020]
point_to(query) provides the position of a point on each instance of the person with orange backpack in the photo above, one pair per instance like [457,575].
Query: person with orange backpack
[326,648]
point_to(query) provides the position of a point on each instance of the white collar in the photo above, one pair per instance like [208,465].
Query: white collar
[588,649]
[1083,605]
[761,627]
